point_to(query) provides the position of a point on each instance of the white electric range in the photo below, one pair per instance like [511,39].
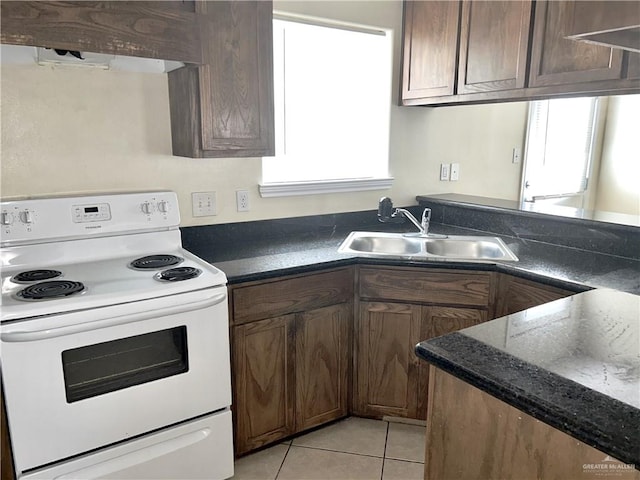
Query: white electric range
[114,341]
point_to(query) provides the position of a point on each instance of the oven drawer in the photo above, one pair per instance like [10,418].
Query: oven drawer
[102,376]
[199,449]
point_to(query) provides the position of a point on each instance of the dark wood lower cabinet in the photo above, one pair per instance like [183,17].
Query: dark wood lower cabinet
[391,380]
[323,353]
[473,435]
[300,360]
[517,294]
[440,321]
[290,373]
[263,381]
[387,368]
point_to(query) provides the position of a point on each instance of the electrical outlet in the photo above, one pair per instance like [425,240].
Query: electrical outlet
[444,171]
[242,200]
[454,173]
[203,204]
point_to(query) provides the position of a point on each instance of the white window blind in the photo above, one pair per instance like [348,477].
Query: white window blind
[332,107]
[559,147]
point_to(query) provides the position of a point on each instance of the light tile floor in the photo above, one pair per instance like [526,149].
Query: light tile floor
[354,448]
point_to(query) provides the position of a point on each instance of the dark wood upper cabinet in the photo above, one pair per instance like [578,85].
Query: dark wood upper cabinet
[556,60]
[224,108]
[161,30]
[430,48]
[493,45]
[221,103]
[613,23]
[507,51]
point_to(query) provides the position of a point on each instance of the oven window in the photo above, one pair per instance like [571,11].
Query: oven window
[105,367]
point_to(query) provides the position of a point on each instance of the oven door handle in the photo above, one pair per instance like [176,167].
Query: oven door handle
[34,335]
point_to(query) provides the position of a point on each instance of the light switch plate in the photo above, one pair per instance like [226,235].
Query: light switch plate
[444,171]
[203,204]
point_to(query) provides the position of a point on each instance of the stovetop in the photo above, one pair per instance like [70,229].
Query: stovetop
[106,282]
[92,252]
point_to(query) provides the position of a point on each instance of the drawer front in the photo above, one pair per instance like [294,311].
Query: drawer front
[281,297]
[432,287]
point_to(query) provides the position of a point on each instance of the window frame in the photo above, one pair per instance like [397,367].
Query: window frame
[323,186]
[587,171]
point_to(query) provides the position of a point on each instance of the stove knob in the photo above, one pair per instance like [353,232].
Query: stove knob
[163,206]
[146,207]
[26,216]
[6,218]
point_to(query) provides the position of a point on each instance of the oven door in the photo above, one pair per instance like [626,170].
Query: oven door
[84,380]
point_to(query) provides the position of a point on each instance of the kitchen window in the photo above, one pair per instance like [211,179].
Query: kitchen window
[559,152]
[332,107]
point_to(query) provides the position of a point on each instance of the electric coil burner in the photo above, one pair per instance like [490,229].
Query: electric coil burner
[36,276]
[178,274]
[49,290]
[155,262]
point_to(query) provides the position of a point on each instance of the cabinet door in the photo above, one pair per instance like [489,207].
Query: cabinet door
[157,29]
[429,49]
[516,294]
[493,45]
[263,381]
[437,321]
[387,366]
[322,365]
[556,60]
[224,107]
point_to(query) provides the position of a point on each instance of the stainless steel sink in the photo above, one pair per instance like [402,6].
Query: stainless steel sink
[474,247]
[381,245]
[411,246]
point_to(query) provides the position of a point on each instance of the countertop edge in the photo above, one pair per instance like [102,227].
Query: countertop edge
[604,437]
[435,264]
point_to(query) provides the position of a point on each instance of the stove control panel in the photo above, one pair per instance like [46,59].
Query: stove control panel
[91,213]
[40,220]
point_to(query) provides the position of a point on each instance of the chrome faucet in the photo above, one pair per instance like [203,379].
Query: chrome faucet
[387,214]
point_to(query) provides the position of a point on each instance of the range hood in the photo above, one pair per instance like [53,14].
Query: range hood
[627,38]
[23,55]
[615,24]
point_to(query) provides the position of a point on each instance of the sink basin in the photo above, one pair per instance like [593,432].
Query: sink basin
[381,245]
[411,246]
[467,248]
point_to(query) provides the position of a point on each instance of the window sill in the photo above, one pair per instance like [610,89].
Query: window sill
[288,189]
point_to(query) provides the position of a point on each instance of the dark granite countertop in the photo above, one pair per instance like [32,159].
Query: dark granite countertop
[573,363]
[260,257]
[562,397]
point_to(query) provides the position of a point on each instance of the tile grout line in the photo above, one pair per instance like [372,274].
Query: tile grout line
[384,453]
[338,451]
[283,459]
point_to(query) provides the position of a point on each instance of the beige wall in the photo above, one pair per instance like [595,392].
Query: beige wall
[67,130]
[618,189]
